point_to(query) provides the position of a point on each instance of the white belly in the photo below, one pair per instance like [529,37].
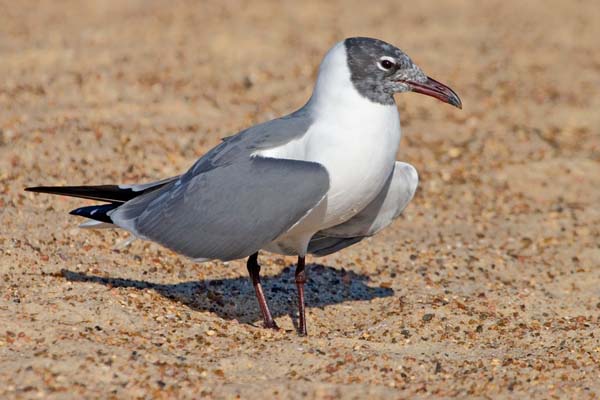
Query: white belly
[358,152]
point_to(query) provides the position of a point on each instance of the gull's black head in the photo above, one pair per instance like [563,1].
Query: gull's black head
[378,70]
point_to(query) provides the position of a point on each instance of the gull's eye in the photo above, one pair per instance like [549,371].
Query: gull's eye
[386,64]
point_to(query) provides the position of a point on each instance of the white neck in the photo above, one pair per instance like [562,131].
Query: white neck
[334,91]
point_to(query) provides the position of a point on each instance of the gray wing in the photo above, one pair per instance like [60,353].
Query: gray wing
[262,136]
[397,192]
[227,212]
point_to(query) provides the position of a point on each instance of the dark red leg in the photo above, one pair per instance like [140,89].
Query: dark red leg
[254,271]
[300,281]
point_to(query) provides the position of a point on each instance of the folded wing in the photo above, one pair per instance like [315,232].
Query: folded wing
[397,192]
[227,212]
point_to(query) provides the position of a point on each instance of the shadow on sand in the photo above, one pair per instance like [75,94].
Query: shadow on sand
[234,298]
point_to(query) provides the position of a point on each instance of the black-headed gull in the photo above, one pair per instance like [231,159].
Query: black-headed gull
[313,182]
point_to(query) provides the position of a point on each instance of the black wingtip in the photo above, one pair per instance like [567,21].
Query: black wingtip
[112,193]
[77,212]
[98,213]
[63,190]
[46,189]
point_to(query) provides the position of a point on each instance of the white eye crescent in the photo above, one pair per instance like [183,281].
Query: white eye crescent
[386,63]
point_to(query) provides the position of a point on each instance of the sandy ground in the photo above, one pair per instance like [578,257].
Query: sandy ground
[488,286]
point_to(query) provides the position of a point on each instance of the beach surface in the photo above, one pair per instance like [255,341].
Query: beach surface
[488,286]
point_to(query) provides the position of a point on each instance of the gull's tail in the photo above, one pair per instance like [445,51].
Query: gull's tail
[115,195]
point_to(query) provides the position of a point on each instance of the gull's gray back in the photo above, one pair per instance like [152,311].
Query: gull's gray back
[259,137]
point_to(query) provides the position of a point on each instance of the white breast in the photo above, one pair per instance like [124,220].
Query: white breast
[358,150]
[355,139]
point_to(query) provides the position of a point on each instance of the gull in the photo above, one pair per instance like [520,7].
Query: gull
[313,182]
